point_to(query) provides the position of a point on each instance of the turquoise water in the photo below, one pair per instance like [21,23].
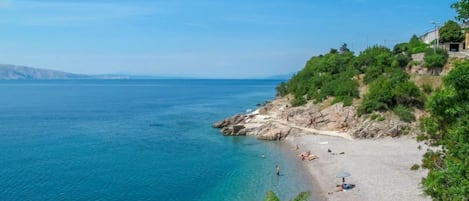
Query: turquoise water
[136,140]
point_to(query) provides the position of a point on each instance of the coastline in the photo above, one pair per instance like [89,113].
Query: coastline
[379,166]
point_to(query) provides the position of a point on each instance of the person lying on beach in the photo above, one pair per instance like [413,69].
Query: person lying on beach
[312,157]
[338,153]
[305,155]
[330,151]
[339,188]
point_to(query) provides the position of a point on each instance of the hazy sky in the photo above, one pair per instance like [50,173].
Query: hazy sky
[201,38]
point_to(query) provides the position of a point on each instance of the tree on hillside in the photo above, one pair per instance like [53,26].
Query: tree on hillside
[416,45]
[462,8]
[414,40]
[451,32]
[390,90]
[400,48]
[373,61]
[344,48]
[282,89]
[448,128]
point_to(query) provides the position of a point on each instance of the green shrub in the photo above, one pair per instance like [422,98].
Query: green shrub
[373,72]
[415,167]
[302,196]
[421,137]
[416,45]
[329,75]
[271,196]
[389,90]
[376,55]
[298,101]
[377,117]
[378,98]
[414,63]
[408,94]
[435,60]
[374,116]
[419,49]
[400,48]
[405,114]
[427,88]
[402,60]
[347,100]
[282,89]
[371,105]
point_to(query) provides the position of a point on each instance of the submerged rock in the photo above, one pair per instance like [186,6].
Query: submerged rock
[234,130]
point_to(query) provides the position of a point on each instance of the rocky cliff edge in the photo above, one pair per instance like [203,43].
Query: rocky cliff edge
[277,120]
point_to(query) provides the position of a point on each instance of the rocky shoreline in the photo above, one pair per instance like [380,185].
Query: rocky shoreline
[277,119]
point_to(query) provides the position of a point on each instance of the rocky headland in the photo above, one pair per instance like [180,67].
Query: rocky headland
[277,119]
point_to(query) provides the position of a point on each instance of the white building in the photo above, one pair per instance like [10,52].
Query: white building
[429,36]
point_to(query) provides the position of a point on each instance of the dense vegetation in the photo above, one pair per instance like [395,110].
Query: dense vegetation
[329,75]
[390,88]
[414,46]
[448,127]
[336,75]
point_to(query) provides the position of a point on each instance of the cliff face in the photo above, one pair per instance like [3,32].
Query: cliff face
[278,119]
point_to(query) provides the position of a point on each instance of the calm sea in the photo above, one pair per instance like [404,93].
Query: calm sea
[139,140]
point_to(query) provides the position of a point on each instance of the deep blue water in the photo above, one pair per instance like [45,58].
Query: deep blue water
[136,140]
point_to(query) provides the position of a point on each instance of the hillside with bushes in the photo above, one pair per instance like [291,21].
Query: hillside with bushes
[342,76]
[378,84]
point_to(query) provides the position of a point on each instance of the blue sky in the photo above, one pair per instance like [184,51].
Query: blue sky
[203,38]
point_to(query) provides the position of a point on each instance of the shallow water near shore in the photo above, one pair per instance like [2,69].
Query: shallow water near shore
[137,140]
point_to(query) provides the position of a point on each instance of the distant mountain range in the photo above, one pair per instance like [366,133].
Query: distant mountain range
[282,77]
[13,72]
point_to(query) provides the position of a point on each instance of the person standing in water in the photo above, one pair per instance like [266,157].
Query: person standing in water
[277,170]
